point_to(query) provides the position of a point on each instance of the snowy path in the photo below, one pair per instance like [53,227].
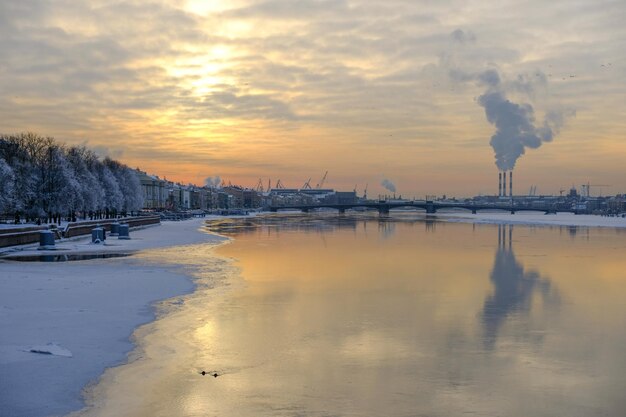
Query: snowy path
[85,309]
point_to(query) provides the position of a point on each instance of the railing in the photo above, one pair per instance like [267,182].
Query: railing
[28,235]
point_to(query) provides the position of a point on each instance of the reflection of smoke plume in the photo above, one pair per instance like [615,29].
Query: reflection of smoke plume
[513,290]
[515,123]
[213,182]
[389,186]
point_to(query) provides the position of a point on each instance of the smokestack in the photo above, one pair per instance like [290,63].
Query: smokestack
[511,183]
[499,184]
[504,184]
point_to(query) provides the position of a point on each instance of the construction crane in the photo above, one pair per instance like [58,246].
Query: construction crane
[365,192]
[586,188]
[269,184]
[307,185]
[279,185]
[259,186]
[321,183]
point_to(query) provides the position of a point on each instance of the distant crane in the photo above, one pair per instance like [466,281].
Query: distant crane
[259,186]
[307,185]
[269,184]
[279,185]
[586,188]
[321,183]
[365,192]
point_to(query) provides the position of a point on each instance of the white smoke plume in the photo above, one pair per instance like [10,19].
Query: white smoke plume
[516,129]
[213,182]
[389,186]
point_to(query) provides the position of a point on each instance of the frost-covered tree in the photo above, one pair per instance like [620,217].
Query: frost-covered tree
[134,198]
[62,190]
[129,184]
[113,197]
[7,186]
[85,164]
[14,152]
[41,178]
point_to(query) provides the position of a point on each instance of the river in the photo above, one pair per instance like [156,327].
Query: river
[361,315]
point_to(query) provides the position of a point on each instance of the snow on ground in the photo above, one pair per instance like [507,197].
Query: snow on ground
[534,218]
[82,313]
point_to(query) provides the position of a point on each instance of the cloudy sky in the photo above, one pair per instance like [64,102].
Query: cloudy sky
[405,90]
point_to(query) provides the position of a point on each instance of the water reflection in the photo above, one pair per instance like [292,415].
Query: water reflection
[394,315]
[386,229]
[513,289]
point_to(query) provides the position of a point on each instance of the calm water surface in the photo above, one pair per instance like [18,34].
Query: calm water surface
[361,316]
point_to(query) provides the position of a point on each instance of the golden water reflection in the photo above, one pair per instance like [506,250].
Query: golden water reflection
[367,316]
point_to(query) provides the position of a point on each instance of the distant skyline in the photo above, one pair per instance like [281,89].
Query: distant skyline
[401,91]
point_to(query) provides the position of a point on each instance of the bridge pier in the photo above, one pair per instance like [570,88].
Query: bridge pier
[305,210]
[430,207]
[383,209]
[473,211]
[342,211]
[512,211]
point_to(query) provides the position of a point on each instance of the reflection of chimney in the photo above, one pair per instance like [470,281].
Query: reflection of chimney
[499,184]
[504,184]
[511,183]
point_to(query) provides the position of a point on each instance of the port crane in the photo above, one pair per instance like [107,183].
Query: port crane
[322,181]
[586,188]
[259,186]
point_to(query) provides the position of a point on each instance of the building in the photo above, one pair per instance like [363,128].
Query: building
[154,191]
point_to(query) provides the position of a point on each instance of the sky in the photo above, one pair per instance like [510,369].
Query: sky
[410,92]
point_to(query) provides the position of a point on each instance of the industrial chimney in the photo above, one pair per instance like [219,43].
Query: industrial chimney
[511,183]
[500,184]
[504,184]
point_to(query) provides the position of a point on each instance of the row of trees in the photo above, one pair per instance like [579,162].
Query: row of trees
[41,179]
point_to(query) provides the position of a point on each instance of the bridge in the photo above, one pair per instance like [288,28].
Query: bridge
[431,207]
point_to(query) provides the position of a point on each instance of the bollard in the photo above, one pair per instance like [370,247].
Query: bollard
[115,229]
[97,235]
[123,232]
[46,240]
[104,231]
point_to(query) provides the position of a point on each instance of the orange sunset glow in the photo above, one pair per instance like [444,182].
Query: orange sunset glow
[278,89]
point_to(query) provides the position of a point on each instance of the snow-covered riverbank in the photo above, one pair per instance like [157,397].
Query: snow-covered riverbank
[79,316]
[531,218]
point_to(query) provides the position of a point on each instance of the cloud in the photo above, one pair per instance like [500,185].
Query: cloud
[127,73]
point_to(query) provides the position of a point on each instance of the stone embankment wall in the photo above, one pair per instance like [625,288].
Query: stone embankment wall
[28,235]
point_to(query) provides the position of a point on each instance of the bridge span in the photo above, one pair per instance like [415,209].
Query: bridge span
[430,207]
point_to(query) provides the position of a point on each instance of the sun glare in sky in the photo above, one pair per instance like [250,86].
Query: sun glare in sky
[425,94]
